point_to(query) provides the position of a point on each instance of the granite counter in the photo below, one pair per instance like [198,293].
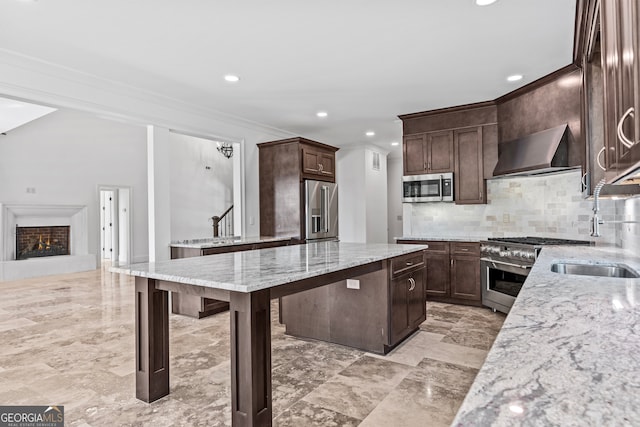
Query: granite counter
[216,242]
[568,352]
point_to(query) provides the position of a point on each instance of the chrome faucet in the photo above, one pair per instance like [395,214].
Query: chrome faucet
[596,221]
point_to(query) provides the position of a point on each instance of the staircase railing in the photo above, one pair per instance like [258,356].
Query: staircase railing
[227,223]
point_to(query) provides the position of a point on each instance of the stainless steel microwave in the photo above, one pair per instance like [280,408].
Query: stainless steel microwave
[428,188]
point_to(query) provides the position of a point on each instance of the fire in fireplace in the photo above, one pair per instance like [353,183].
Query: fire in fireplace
[32,242]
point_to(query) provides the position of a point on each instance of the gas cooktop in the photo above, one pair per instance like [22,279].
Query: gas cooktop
[539,241]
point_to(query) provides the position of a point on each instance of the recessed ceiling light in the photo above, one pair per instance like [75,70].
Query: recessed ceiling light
[485,2]
[514,78]
[395,143]
[370,133]
[321,114]
[231,78]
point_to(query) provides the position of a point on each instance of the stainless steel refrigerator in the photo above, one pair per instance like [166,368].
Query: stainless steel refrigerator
[321,210]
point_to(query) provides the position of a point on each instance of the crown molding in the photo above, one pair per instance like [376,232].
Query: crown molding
[32,79]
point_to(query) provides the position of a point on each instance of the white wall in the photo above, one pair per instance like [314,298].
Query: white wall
[65,156]
[376,197]
[362,196]
[198,193]
[394,197]
[630,233]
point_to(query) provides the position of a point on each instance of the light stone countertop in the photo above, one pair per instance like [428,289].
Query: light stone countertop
[249,271]
[568,352]
[216,242]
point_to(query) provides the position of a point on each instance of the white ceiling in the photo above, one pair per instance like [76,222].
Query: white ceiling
[364,62]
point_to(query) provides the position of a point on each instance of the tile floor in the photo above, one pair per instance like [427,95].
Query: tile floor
[69,340]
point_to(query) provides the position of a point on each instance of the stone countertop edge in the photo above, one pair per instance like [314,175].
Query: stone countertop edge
[249,271]
[220,242]
[568,352]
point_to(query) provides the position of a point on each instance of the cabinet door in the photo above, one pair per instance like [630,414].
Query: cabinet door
[414,154]
[416,304]
[619,27]
[469,180]
[326,164]
[399,308]
[465,277]
[440,152]
[310,161]
[437,274]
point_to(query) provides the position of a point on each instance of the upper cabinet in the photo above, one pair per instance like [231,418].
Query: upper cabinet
[428,153]
[318,162]
[462,140]
[620,41]
[469,183]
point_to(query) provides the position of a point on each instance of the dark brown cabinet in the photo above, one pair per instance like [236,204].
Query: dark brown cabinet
[283,166]
[428,153]
[452,271]
[469,184]
[198,307]
[318,164]
[465,271]
[620,45]
[407,299]
[408,308]
[382,309]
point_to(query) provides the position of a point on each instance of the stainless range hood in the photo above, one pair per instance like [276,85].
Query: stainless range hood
[534,154]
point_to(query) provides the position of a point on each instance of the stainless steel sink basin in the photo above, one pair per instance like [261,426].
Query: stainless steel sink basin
[598,270]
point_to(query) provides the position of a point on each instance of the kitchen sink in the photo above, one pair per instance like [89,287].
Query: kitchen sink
[597,270]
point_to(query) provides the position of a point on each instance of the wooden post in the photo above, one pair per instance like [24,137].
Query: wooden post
[250,359]
[152,341]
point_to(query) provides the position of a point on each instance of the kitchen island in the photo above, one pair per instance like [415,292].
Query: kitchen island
[194,306]
[568,352]
[248,280]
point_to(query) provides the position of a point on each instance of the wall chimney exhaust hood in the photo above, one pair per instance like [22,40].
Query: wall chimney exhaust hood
[534,154]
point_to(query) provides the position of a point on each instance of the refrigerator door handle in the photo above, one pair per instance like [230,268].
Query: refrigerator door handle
[325,207]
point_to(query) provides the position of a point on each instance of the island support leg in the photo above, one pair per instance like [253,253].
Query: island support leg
[152,341]
[250,359]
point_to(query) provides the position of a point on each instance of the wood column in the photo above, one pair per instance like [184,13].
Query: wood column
[250,359]
[152,341]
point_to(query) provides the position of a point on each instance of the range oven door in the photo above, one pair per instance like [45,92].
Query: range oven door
[501,282]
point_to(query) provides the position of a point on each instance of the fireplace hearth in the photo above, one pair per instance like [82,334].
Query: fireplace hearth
[43,241]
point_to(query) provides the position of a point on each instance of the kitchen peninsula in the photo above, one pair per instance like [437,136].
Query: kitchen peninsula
[249,280]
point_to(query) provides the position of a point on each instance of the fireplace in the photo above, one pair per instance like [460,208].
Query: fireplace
[34,242]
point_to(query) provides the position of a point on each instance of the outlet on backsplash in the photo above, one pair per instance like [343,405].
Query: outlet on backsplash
[506,219]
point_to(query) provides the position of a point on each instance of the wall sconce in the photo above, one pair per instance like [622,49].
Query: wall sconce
[226,149]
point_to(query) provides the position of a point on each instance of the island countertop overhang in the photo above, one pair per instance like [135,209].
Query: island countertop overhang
[255,270]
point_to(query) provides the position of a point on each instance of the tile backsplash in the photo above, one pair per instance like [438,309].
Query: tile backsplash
[547,205]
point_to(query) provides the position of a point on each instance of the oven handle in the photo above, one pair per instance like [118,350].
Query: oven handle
[505,263]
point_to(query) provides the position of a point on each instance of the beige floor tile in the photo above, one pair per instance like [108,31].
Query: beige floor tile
[69,340]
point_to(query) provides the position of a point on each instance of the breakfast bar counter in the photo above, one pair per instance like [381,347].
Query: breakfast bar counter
[248,280]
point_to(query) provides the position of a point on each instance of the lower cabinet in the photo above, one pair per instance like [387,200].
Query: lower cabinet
[452,271]
[408,309]
[384,308]
[198,307]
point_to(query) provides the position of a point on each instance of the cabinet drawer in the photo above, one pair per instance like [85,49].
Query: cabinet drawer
[465,248]
[407,263]
[437,247]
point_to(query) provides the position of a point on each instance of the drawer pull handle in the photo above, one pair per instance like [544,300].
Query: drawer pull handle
[465,249]
[409,263]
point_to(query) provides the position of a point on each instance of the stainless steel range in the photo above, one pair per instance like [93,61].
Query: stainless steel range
[505,264]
